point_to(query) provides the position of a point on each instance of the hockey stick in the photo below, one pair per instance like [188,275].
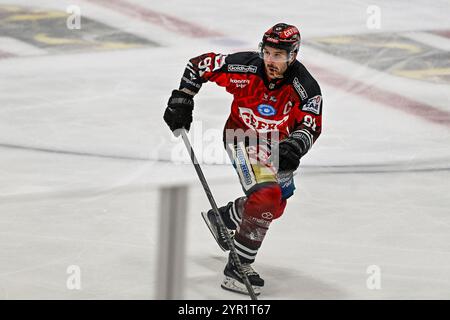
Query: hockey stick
[222,227]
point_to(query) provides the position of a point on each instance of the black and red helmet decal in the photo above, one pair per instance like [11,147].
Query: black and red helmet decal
[283,36]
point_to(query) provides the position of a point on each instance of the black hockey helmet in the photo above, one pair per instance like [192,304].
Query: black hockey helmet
[282,36]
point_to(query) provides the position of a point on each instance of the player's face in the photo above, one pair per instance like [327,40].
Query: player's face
[275,61]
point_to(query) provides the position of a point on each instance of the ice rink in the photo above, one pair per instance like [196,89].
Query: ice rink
[84,151]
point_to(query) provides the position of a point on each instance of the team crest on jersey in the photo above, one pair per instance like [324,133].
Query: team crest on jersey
[313,104]
[258,123]
[266,110]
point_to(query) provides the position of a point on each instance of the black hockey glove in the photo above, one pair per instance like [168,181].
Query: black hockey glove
[178,113]
[290,151]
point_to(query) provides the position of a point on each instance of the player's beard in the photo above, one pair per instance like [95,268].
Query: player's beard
[273,71]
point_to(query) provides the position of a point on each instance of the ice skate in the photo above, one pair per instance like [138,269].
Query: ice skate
[233,279]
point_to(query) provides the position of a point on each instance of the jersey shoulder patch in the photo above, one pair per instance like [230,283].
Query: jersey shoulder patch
[313,105]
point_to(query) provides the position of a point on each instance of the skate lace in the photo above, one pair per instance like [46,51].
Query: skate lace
[248,270]
[223,235]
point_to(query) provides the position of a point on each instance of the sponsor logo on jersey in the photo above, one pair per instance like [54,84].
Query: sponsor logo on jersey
[260,222]
[258,123]
[313,104]
[266,110]
[240,83]
[267,215]
[242,68]
[271,98]
[299,88]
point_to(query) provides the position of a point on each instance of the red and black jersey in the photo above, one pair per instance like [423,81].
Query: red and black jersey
[293,103]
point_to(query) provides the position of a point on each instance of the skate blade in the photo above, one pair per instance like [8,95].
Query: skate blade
[233,285]
[212,230]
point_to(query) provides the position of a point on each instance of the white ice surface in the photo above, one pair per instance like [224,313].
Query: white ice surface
[85,151]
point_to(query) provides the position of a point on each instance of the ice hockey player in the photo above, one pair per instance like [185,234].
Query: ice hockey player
[275,100]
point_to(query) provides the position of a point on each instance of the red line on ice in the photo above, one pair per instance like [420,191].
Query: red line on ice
[395,101]
[442,33]
[390,99]
[4,54]
[166,21]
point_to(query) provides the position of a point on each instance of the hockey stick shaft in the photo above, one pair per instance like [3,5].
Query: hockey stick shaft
[208,192]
